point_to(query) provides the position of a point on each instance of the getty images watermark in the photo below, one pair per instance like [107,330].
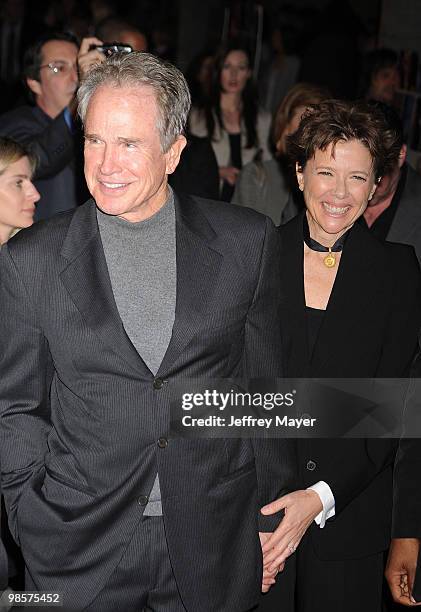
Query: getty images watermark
[295,408]
[222,401]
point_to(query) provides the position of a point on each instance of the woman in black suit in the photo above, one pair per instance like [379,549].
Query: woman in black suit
[352,309]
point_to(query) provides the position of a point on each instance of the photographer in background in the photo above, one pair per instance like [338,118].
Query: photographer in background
[48,126]
[114,29]
[380,76]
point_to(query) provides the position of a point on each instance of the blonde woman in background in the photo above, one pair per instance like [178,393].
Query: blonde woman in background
[266,186]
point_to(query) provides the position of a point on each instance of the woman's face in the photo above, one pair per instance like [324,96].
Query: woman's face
[337,185]
[235,72]
[17,195]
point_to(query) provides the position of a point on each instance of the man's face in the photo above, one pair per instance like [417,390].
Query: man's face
[389,182]
[56,88]
[386,187]
[385,83]
[125,167]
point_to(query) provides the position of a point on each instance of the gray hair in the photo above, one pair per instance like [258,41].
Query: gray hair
[135,70]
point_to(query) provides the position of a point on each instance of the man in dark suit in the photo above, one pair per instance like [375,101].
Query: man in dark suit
[47,127]
[403,571]
[394,212]
[103,309]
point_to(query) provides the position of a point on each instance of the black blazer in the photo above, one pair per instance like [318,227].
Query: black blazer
[59,173]
[370,329]
[197,173]
[77,469]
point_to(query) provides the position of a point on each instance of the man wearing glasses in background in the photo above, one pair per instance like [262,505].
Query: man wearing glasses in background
[48,127]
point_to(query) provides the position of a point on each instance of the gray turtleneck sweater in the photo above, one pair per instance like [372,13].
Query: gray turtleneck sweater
[141,260]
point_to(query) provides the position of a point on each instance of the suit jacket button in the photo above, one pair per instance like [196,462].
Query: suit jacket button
[162,442]
[142,500]
[311,465]
[158,383]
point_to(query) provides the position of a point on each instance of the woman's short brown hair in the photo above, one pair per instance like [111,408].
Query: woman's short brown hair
[11,152]
[333,121]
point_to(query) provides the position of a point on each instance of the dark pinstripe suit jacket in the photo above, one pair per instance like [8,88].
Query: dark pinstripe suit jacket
[77,468]
[59,173]
[4,569]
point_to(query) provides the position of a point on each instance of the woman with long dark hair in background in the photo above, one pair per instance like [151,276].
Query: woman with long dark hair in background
[231,118]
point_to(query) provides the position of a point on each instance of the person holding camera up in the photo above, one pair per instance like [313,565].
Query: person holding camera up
[48,126]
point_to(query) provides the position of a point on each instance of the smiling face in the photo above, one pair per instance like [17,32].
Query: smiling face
[125,167]
[17,198]
[235,72]
[336,188]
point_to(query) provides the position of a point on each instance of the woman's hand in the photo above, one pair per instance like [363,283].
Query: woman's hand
[301,508]
[229,174]
[268,578]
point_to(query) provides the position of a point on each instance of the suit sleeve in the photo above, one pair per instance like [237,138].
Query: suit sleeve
[275,458]
[25,377]
[53,146]
[406,517]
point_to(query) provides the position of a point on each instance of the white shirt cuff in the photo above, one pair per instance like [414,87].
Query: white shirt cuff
[328,501]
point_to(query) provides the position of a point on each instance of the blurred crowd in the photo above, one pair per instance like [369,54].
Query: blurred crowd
[249,90]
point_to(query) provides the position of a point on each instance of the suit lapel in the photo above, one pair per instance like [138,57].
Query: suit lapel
[85,276]
[198,267]
[294,328]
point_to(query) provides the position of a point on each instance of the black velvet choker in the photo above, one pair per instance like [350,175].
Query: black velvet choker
[330,259]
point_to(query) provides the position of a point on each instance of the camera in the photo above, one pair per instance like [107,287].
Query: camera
[110,48]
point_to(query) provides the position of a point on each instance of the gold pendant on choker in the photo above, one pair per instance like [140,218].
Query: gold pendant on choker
[330,259]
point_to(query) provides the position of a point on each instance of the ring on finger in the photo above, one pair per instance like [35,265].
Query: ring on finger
[291,547]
